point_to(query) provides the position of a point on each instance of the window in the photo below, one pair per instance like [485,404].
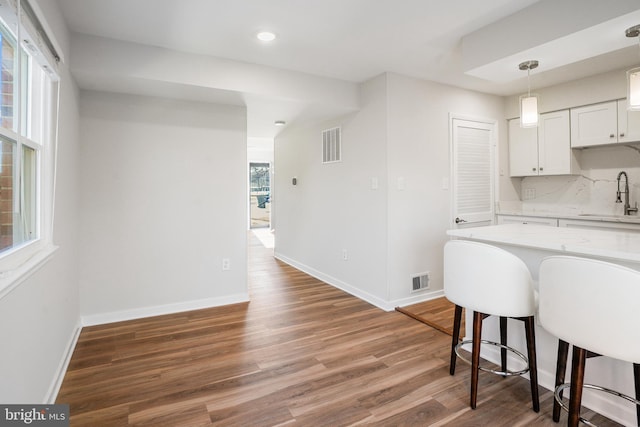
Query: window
[28,86]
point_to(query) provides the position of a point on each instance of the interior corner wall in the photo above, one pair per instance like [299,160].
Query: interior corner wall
[337,210]
[418,158]
[40,317]
[163,195]
[400,135]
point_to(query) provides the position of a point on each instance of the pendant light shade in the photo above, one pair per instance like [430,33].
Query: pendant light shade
[633,76]
[528,102]
[528,111]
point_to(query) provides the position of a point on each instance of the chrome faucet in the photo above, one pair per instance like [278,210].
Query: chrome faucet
[627,208]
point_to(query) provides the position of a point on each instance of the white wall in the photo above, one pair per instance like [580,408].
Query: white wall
[39,319]
[402,130]
[594,189]
[260,150]
[418,151]
[333,206]
[163,196]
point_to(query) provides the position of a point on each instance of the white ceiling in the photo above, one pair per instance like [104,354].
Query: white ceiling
[467,43]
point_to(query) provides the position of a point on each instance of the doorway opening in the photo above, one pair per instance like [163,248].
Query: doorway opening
[260,195]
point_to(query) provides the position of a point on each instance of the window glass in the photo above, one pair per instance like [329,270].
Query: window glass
[6,193]
[27,228]
[25,112]
[7,85]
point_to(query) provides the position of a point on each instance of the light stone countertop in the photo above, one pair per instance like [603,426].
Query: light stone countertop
[615,245]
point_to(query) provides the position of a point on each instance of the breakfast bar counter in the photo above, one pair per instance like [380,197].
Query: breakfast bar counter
[532,243]
[622,246]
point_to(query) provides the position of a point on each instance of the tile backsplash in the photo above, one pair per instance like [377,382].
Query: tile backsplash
[593,191]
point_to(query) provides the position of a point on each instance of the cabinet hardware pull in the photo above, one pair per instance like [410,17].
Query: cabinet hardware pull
[612,135]
[622,135]
[533,169]
[541,169]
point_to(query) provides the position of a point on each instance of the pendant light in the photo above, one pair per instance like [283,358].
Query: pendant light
[633,77]
[528,102]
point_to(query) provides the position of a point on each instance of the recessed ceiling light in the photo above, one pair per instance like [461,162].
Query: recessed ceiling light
[279,123]
[266,36]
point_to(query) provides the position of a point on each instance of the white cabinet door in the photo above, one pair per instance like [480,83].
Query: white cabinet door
[523,150]
[594,124]
[545,150]
[554,144]
[628,123]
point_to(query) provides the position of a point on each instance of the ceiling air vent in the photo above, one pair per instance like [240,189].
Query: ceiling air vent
[420,282]
[331,146]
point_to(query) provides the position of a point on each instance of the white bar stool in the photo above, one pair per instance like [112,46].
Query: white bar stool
[490,281]
[595,306]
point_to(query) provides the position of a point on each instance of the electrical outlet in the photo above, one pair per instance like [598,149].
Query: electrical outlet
[345,255]
[529,194]
[226,264]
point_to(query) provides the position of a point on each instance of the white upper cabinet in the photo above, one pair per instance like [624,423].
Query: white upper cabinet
[603,124]
[554,145]
[628,123]
[594,124]
[545,150]
[523,150]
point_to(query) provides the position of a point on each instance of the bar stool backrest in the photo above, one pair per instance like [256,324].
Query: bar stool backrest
[592,304]
[487,279]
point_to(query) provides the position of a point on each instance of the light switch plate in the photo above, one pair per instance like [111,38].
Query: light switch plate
[401,183]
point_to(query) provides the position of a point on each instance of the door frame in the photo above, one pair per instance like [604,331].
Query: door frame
[495,189]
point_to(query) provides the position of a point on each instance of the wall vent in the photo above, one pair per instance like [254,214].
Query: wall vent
[420,282]
[331,145]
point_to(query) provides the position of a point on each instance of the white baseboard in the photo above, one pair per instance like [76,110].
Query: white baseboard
[371,299]
[356,292]
[139,313]
[54,388]
[415,299]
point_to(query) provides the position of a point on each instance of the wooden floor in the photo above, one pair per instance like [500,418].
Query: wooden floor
[302,353]
[437,313]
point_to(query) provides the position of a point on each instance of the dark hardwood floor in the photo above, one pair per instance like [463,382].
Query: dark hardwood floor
[300,353]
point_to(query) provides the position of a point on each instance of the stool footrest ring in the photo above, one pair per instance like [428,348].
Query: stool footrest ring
[559,389]
[506,373]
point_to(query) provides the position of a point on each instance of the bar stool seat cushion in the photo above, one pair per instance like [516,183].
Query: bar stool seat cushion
[506,286]
[591,304]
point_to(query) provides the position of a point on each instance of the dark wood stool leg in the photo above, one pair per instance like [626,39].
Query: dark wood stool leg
[636,378]
[475,356]
[503,341]
[529,326]
[561,369]
[457,319]
[577,381]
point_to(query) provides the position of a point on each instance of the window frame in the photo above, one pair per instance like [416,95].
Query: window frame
[21,260]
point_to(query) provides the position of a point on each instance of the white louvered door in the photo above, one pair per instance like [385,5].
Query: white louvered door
[473,173]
